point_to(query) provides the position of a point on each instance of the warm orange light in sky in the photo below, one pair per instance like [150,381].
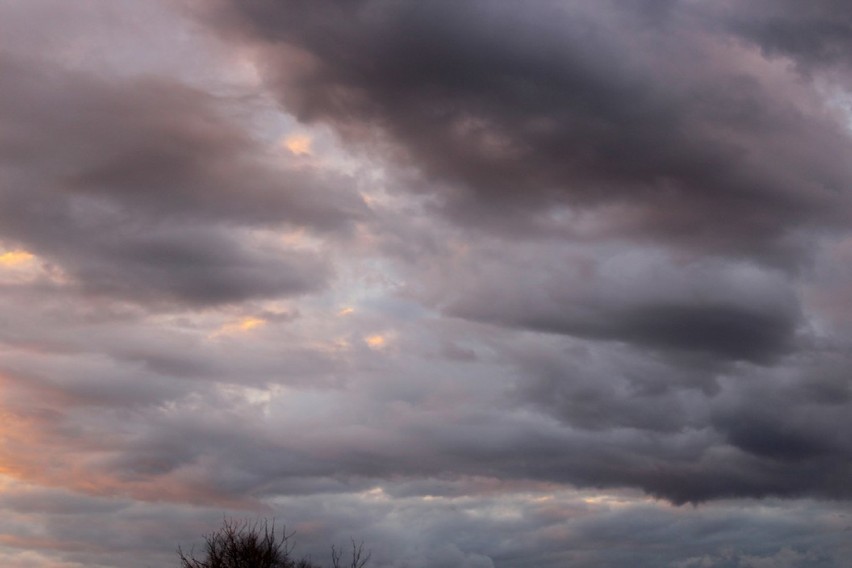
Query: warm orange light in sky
[346,311]
[292,238]
[243,325]
[15,258]
[299,144]
[376,341]
[251,323]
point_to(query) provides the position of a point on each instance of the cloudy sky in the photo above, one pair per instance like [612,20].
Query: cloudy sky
[482,283]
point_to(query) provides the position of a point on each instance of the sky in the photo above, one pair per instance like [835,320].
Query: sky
[480,283]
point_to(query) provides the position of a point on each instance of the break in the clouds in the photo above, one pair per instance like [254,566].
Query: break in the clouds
[485,284]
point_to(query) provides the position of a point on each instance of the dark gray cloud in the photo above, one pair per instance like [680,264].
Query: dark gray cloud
[144,189]
[691,432]
[652,178]
[517,112]
[813,35]
[157,147]
[481,283]
[727,311]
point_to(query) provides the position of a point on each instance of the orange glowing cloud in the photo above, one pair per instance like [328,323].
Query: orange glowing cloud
[376,341]
[298,144]
[250,323]
[37,450]
[242,326]
[15,258]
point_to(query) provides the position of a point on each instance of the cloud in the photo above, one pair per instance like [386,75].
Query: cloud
[511,116]
[731,311]
[478,283]
[143,184]
[813,35]
[626,180]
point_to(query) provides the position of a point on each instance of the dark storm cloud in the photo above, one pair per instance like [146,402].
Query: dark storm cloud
[813,34]
[199,267]
[690,433]
[512,112]
[724,331]
[798,420]
[725,310]
[677,125]
[139,188]
[602,274]
[157,147]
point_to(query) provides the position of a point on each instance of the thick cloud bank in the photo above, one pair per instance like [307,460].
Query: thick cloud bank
[483,283]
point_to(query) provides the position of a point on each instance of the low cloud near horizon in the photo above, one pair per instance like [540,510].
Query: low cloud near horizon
[483,284]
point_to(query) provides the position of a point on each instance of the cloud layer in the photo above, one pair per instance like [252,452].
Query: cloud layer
[484,285]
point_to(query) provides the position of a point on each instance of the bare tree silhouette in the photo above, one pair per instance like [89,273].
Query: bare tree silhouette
[258,544]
